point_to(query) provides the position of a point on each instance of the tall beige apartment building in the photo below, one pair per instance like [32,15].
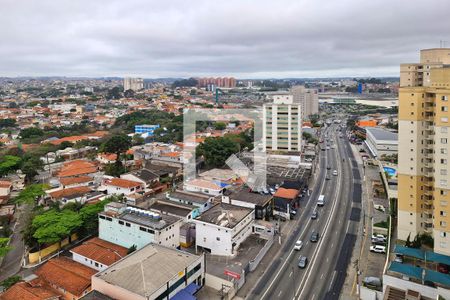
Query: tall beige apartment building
[135,84]
[424,147]
[307,98]
[283,125]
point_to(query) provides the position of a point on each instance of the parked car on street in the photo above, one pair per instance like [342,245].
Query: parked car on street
[378,249]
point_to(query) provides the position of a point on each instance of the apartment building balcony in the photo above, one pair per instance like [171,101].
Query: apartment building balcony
[428,197]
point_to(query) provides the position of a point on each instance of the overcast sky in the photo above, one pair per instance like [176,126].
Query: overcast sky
[242,38]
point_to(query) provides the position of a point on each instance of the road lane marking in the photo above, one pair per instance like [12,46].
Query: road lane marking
[301,234]
[321,276]
[279,294]
[317,250]
[332,279]
[290,274]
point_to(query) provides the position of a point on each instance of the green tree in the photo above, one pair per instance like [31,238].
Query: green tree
[10,281]
[220,126]
[115,93]
[129,94]
[5,123]
[31,193]
[53,226]
[9,163]
[31,166]
[88,215]
[31,132]
[4,248]
[217,150]
[117,144]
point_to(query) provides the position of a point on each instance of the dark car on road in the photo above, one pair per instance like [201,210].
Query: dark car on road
[314,237]
[302,262]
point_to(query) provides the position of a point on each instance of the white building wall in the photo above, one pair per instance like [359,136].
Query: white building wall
[127,236]
[88,262]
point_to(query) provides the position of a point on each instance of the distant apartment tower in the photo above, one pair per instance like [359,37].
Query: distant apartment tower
[283,124]
[135,84]
[308,99]
[424,136]
[226,82]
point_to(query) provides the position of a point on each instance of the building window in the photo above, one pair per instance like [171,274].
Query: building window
[444,108]
[444,119]
[443,234]
[443,141]
[121,222]
[128,224]
[444,98]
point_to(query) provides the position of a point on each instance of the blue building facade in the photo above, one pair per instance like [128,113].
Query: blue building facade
[149,129]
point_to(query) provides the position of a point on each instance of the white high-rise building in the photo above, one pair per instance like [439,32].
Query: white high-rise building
[283,124]
[307,98]
[135,84]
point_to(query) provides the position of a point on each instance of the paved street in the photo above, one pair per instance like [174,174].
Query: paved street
[328,259]
[12,261]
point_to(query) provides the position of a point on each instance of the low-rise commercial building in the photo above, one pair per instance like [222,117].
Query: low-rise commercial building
[153,272]
[127,226]
[381,141]
[221,229]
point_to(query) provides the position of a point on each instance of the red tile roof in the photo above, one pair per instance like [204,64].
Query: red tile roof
[101,251]
[66,274]
[74,180]
[79,190]
[29,291]
[123,183]
[5,184]
[286,193]
[77,167]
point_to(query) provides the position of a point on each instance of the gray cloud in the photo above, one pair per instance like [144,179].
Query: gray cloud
[247,39]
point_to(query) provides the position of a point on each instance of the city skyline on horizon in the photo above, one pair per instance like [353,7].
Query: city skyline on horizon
[242,40]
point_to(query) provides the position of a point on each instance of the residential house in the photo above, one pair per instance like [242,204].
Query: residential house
[97,253]
[120,186]
[204,186]
[77,168]
[36,289]
[5,190]
[81,194]
[146,177]
[70,182]
[107,158]
[70,278]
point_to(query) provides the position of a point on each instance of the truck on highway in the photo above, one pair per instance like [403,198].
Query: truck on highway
[321,200]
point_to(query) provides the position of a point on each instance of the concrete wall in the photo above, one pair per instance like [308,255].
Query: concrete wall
[423,289]
[216,283]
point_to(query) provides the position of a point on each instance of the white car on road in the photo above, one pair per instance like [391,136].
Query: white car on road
[298,245]
[335,173]
[378,249]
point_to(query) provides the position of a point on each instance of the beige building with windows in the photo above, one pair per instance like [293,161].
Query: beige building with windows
[307,98]
[134,84]
[283,125]
[424,137]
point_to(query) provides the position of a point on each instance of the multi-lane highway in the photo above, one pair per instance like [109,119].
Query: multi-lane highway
[337,225]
